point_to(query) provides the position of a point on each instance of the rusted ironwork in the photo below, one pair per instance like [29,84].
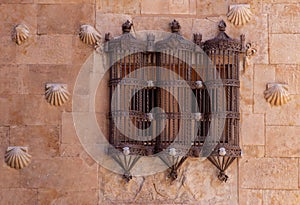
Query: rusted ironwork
[185,124]
[225,53]
[126,27]
[173,161]
[175,26]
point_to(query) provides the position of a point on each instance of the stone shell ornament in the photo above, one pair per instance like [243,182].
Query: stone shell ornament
[20,33]
[239,14]
[89,35]
[56,94]
[277,94]
[17,157]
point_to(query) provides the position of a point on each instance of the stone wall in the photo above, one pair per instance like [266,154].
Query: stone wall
[61,172]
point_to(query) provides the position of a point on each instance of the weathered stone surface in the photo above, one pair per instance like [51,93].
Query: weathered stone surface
[46,137]
[102,97]
[286,114]
[281,1]
[68,130]
[208,8]
[7,50]
[260,104]
[39,75]
[64,1]
[103,123]
[13,79]
[253,151]
[278,197]
[182,7]
[52,196]
[46,49]
[70,150]
[117,6]
[283,48]
[29,110]
[250,197]
[15,109]
[286,18]
[114,27]
[37,111]
[16,1]
[18,196]
[269,173]
[10,178]
[60,174]
[64,18]
[155,7]
[246,87]
[4,110]
[245,107]
[159,189]
[12,14]
[168,7]
[289,74]
[4,137]
[252,127]
[282,141]
[263,74]
[162,24]
[80,51]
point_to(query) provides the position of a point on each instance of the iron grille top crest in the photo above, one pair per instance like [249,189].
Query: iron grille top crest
[223,41]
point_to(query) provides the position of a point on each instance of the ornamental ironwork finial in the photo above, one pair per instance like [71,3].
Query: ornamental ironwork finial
[126,27]
[222,25]
[175,26]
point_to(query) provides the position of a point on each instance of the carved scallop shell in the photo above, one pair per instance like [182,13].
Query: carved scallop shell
[56,94]
[277,94]
[239,14]
[89,35]
[20,33]
[17,157]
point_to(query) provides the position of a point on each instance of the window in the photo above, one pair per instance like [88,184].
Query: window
[168,94]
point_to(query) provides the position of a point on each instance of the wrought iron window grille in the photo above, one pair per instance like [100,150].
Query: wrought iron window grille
[197,122]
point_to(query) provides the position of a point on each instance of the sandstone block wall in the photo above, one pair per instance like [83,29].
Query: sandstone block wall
[61,172]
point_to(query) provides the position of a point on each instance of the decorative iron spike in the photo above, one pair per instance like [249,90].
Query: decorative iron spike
[222,25]
[126,27]
[221,163]
[127,176]
[197,38]
[107,37]
[222,176]
[125,161]
[175,26]
[173,161]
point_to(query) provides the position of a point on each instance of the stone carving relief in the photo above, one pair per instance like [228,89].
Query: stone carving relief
[20,33]
[89,35]
[17,157]
[56,94]
[239,14]
[277,94]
